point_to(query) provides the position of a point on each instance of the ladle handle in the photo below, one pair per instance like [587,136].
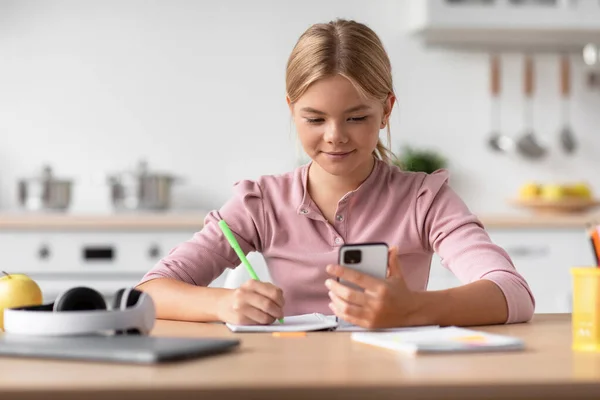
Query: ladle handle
[495,75]
[528,76]
[565,76]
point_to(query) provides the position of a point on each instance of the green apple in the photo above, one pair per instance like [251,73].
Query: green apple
[17,290]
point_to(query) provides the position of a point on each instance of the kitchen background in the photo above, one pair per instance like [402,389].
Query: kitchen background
[196,89]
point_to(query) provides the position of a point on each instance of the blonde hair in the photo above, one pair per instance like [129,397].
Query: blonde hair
[345,48]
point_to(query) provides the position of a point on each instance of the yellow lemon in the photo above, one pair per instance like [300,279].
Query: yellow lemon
[553,192]
[530,190]
[581,190]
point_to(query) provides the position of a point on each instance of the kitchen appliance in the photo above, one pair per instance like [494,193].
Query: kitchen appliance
[141,190]
[45,192]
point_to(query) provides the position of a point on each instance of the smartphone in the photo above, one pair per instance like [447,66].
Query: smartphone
[368,258]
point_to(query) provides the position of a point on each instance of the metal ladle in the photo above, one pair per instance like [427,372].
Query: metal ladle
[529,145]
[497,141]
[590,54]
[567,139]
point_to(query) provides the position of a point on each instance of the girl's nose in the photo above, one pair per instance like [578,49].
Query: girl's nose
[334,133]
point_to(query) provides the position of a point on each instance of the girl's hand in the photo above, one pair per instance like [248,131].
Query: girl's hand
[253,303]
[383,304]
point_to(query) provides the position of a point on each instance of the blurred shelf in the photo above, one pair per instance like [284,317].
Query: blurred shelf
[509,40]
[506,24]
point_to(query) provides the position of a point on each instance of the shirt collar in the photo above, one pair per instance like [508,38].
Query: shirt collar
[304,208]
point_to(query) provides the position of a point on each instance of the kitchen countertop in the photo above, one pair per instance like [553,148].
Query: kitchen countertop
[194,221]
[133,221]
[560,221]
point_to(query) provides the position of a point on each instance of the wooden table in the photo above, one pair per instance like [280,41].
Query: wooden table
[322,365]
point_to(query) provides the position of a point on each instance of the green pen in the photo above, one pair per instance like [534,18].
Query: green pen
[238,250]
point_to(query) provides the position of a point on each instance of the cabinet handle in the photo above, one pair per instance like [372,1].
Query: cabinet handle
[93,253]
[524,251]
[44,252]
[154,251]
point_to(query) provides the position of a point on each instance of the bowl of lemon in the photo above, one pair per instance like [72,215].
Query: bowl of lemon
[556,198]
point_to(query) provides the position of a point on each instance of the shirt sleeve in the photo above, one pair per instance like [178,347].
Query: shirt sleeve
[203,257]
[459,238]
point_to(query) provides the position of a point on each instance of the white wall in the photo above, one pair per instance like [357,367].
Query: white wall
[197,88]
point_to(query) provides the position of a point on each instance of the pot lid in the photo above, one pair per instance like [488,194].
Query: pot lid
[46,175]
[140,171]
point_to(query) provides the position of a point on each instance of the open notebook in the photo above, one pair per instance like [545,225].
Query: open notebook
[443,340]
[306,323]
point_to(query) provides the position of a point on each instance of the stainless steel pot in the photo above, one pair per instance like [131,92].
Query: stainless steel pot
[141,190]
[45,192]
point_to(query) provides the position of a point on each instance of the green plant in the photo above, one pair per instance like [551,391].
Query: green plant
[420,160]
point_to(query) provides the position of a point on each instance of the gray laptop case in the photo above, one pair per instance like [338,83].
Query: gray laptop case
[122,348]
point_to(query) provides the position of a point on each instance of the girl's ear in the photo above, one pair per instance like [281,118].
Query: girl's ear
[290,105]
[389,105]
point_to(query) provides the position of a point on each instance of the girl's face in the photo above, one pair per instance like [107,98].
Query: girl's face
[338,128]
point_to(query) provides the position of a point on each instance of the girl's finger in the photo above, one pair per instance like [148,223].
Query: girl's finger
[358,278]
[347,317]
[263,304]
[257,316]
[344,292]
[348,309]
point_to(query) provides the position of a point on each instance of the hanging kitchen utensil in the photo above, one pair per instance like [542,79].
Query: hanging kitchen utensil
[529,144]
[44,192]
[591,58]
[591,55]
[567,138]
[497,141]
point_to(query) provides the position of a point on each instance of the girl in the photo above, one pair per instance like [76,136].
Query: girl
[340,94]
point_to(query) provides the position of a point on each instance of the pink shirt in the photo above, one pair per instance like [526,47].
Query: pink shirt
[418,213]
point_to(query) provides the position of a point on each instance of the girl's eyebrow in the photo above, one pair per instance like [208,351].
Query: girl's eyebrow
[359,107]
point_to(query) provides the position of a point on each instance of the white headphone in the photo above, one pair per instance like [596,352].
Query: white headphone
[82,310]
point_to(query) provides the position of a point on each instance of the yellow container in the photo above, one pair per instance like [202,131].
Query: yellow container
[586,308]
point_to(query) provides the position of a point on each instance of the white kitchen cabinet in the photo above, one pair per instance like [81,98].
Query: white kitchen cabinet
[103,252]
[110,258]
[105,260]
[543,256]
[511,24]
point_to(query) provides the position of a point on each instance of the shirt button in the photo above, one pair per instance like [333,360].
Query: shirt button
[338,240]
[339,217]
[304,211]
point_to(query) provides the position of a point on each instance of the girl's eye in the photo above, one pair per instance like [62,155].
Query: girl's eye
[358,119]
[314,120]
